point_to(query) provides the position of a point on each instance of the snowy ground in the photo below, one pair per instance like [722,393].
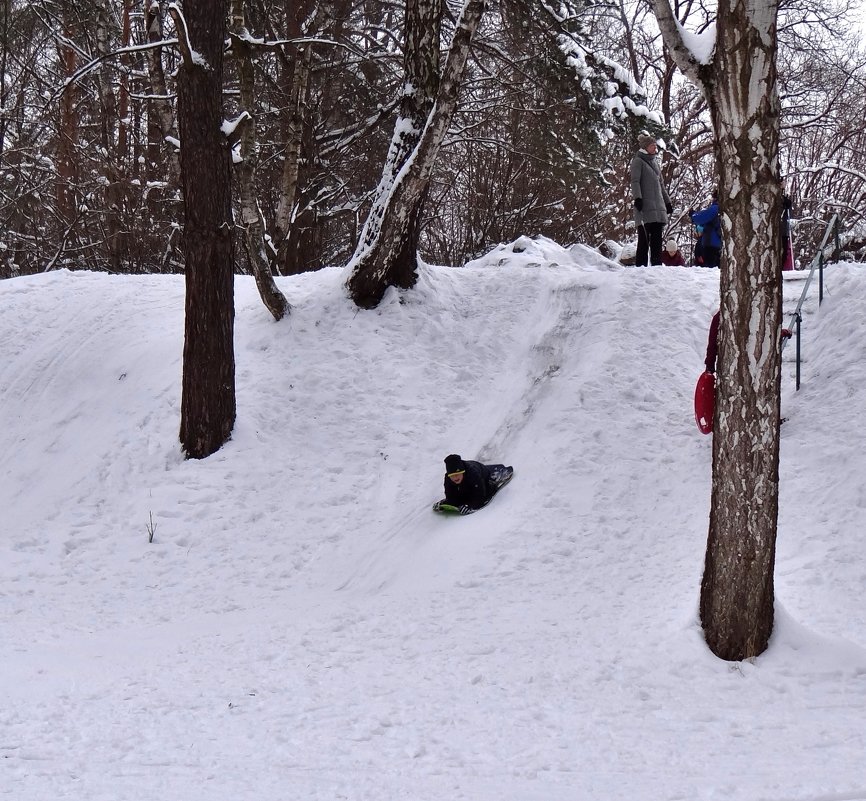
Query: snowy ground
[304,627]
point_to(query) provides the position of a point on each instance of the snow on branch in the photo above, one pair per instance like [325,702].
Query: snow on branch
[701,45]
[831,166]
[190,56]
[299,41]
[609,83]
[85,70]
[233,130]
[678,42]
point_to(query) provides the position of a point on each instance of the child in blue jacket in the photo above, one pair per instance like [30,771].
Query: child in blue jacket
[708,224]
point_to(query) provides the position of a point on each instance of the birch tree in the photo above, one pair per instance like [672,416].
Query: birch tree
[387,252]
[739,81]
[161,115]
[251,218]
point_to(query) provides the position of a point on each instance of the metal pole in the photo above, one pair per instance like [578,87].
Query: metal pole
[646,237]
[798,319]
[820,277]
[692,246]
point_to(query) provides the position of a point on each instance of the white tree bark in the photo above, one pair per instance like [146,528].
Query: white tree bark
[160,105]
[386,254]
[740,86]
[296,120]
[295,130]
[251,217]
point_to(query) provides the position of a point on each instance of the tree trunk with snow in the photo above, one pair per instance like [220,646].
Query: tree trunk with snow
[208,394]
[161,117]
[251,216]
[304,20]
[386,252]
[740,85]
[291,176]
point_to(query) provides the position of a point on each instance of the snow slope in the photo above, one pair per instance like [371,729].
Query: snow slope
[303,627]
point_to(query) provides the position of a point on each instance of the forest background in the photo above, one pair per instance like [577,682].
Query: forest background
[551,103]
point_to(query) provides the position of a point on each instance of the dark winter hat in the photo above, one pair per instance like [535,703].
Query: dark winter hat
[644,139]
[454,464]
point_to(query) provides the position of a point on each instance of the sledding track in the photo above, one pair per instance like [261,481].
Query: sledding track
[567,311]
[417,551]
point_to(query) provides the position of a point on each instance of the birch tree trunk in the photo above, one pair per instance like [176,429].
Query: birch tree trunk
[251,216]
[208,397]
[740,86]
[303,20]
[387,253]
[291,175]
[160,114]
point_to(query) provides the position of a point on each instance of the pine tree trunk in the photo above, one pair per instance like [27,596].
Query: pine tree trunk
[737,588]
[4,61]
[208,397]
[106,36]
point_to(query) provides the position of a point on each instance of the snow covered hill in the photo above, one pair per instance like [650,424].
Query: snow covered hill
[304,627]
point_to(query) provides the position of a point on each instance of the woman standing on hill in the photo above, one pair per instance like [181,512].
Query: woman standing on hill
[651,201]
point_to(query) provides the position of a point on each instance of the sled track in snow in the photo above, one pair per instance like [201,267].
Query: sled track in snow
[414,550]
[568,304]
